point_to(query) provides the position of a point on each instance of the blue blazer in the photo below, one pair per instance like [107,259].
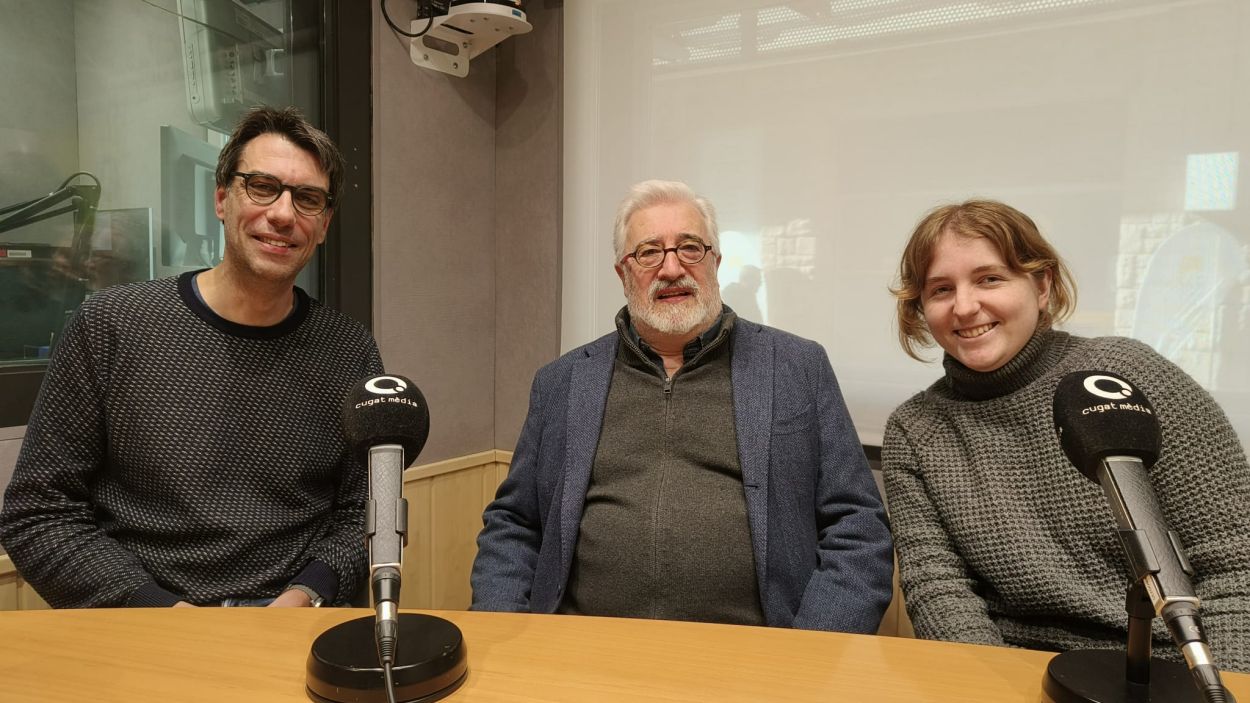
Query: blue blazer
[823,554]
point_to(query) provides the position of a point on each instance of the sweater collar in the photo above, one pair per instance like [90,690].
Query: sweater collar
[724,323]
[1042,352]
[187,290]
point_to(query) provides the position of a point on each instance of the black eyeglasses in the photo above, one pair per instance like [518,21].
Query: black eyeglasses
[650,255]
[265,189]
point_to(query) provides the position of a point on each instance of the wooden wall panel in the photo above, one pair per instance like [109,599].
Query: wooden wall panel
[905,628]
[27,599]
[456,514]
[418,565]
[501,471]
[490,482]
[890,621]
[8,592]
[445,503]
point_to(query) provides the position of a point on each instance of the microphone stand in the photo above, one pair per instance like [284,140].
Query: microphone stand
[83,200]
[1082,676]
[431,663]
[1140,614]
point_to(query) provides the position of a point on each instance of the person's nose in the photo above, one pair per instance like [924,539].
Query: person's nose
[281,212]
[966,302]
[671,267]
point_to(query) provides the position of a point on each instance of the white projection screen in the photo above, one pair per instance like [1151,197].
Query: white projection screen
[822,130]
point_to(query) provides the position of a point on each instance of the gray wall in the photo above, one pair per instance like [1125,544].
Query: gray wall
[466,229]
[528,186]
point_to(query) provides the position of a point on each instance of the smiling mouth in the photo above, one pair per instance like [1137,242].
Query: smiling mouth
[974,332]
[275,242]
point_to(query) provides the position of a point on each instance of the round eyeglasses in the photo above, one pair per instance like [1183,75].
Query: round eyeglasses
[265,189]
[650,256]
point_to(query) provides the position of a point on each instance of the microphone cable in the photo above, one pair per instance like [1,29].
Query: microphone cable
[390,683]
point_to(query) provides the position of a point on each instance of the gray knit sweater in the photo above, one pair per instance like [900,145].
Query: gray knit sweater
[173,454]
[1001,541]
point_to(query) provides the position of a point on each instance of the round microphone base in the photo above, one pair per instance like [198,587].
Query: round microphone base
[430,662]
[1098,676]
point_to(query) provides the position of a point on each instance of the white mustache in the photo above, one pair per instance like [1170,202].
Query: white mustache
[686,281]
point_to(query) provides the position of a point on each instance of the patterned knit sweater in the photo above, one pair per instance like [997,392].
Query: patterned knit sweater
[174,455]
[1001,541]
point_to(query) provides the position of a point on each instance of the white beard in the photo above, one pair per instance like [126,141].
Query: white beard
[695,313]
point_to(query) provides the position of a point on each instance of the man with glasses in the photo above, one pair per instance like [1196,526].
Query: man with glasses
[186,446]
[692,465]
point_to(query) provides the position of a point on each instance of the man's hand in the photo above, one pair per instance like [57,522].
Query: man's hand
[184,604]
[291,598]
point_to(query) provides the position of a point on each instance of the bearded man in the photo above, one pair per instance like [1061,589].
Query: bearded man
[689,466]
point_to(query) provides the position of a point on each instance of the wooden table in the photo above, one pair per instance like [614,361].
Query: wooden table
[244,654]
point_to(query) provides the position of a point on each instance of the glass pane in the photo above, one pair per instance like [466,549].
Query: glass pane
[114,113]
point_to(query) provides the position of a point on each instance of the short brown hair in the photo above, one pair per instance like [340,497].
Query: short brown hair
[1012,233]
[290,124]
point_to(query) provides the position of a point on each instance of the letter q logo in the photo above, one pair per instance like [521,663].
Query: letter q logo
[1123,390]
[389,385]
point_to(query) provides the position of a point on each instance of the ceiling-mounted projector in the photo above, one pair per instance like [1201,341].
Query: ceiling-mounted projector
[466,30]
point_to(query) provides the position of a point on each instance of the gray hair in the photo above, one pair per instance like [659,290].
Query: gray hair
[650,193]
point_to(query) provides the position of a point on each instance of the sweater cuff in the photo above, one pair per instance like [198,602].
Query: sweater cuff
[151,595]
[318,576]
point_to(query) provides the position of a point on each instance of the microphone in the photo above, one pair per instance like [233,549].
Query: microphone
[386,422]
[1109,431]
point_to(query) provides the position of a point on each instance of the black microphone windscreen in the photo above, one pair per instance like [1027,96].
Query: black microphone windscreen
[1100,414]
[386,409]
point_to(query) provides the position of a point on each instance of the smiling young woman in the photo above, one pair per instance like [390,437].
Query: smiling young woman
[1000,540]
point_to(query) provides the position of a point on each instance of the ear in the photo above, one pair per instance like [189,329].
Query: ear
[1043,280]
[620,272]
[325,226]
[219,203]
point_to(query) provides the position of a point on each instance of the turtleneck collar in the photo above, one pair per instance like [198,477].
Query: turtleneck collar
[1042,351]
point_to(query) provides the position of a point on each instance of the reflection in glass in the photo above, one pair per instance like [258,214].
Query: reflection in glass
[45,282]
[191,234]
[231,59]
